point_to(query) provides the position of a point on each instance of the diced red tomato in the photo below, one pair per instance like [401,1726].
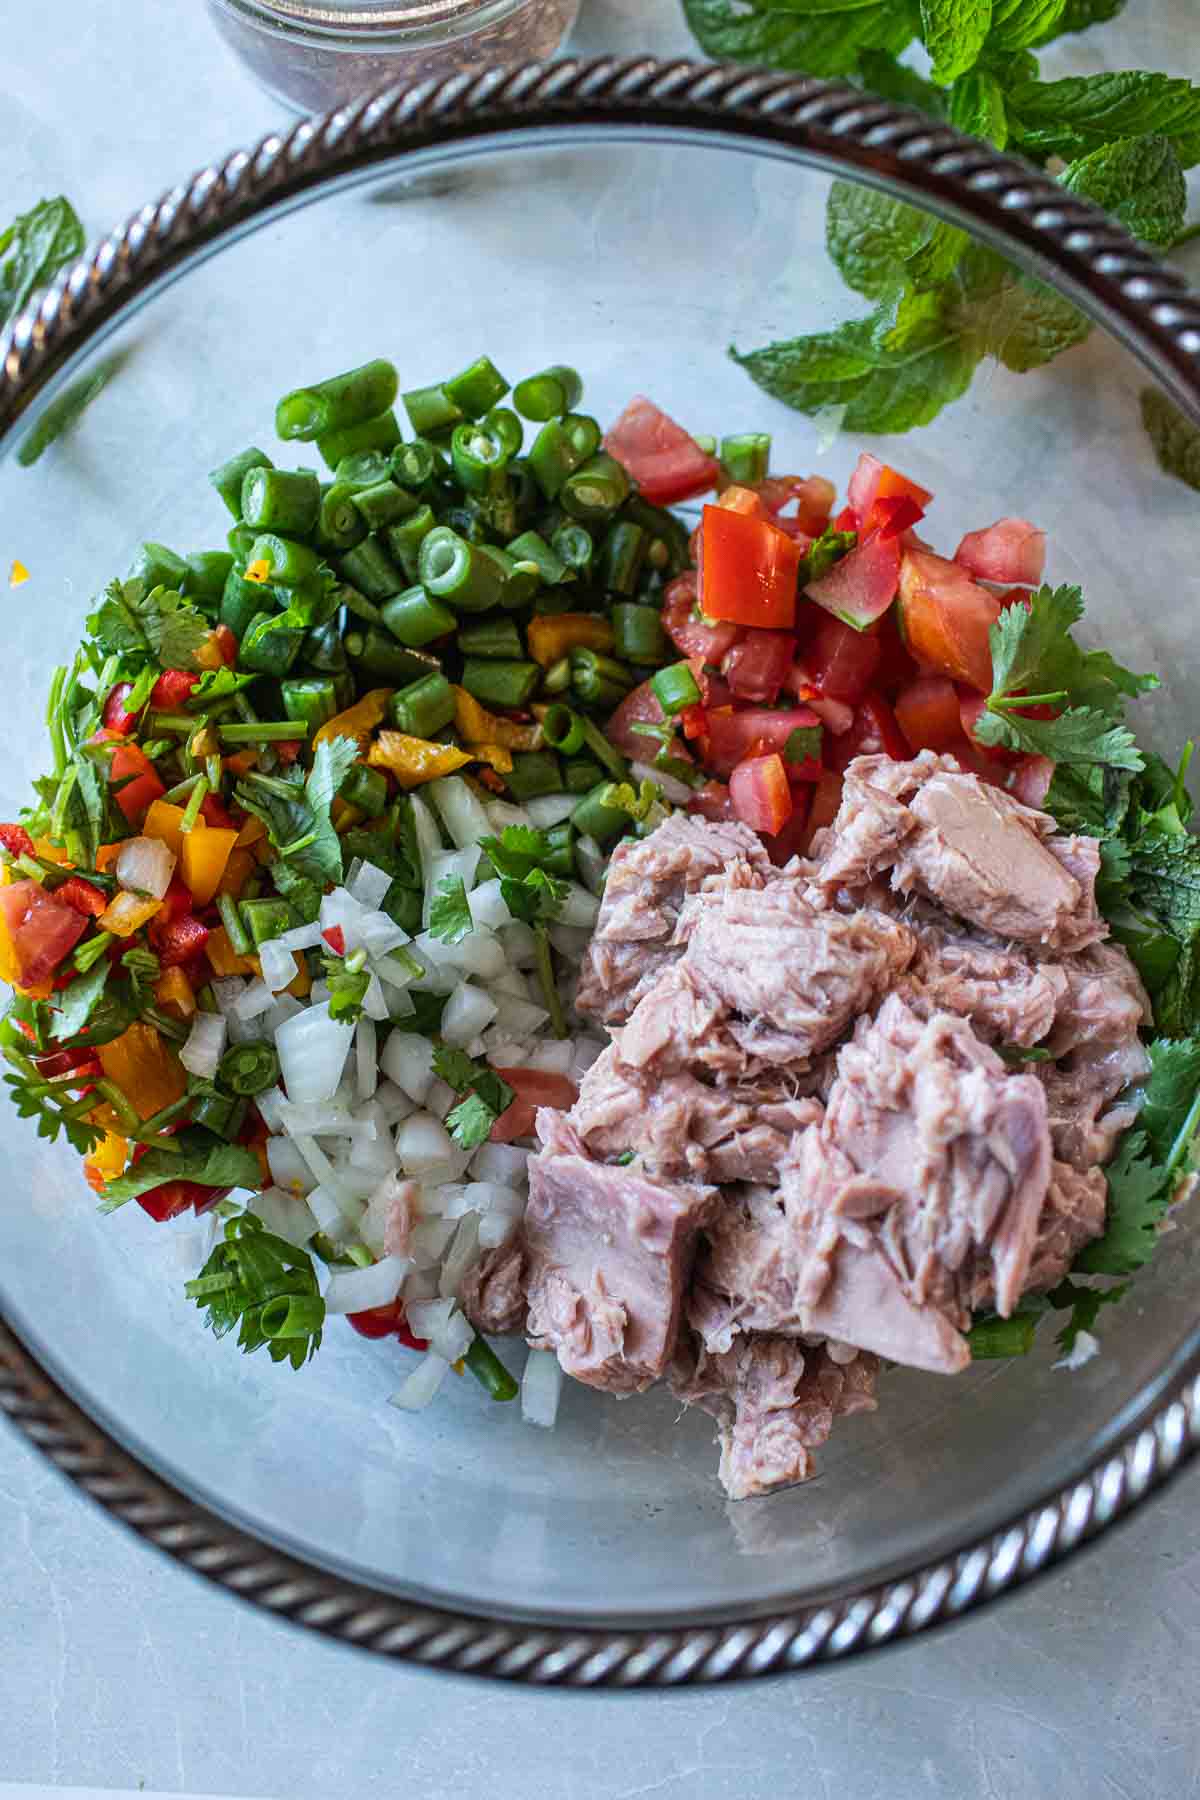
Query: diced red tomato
[115,717]
[927,713]
[641,707]
[873,480]
[41,929]
[227,644]
[1010,550]
[861,587]
[79,1062]
[840,662]
[946,618]
[836,716]
[131,768]
[761,793]
[335,937]
[532,1088]
[712,802]
[81,895]
[736,734]
[215,814]
[813,496]
[386,1321]
[792,840]
[180,940]
[171,1198]
[16,840]
[692,635]
[892,517]
[896,670]
[749,570]
[847,520]
[176,902]
[755,669]
[667,464]
[694,721]
[172,688]
[288,752]
[873,733]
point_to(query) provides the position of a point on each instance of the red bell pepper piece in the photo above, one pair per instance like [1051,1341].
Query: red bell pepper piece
[749,571]
[81,895]
[16,840]
[173,688]
[115,717]
[180,940]
[761,793]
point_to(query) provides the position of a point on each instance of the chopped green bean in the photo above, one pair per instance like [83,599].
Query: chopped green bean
[500,683]
[405,539]
[503,425]
[379,433]
[638,635]
[289,563]
[339,402]
[367,789]
[746,457]
[490,1372]
[534,772]
[282,500]
[458,572]
[208,571]
[271,645]
[156,566]
[384,504]
[563,729]
[676,688]
[597,817]
[312,698]
[416,619]
[599,680]
[424,707]
[377,655]
[573,543]
[622,556]
[266,919]
[249,1068]
[581,775]
[431,409]
[339,525]
[229,477]
[491,637]
[532,548]
[548,394]
[370,569]
[561,447]
[480,387]
[594,492]
[414,465]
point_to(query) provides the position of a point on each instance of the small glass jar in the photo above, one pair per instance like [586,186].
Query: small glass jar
[317,54]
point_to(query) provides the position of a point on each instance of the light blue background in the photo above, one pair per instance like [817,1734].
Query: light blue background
[118,1670]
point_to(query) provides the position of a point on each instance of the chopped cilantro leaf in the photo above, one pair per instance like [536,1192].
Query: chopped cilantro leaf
[485,1096]
[347,989]
[159,627]
[1084,1304]
[295,809]
[803,744]
[449,914]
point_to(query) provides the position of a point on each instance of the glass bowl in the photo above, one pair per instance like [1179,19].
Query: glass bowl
[313,54]
[633,219]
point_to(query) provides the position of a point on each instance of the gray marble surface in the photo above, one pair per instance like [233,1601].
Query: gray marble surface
[119,1671]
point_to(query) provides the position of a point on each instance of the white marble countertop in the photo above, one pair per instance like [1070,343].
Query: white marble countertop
[118,1671]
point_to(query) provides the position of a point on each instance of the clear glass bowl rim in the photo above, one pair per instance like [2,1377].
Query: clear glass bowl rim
[1070,243]
[377,25]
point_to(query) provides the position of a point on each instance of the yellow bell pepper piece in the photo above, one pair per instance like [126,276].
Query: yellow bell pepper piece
[10,968]
[51,852]
[359,720]
[550,638]
[209,654]
[413,760]
[106,856]
[344,817]
[301,987]
[224,959]
[173,994]
[238,870]
[126,913]
[495,755]
[206,851]
[144,1068]
[251,833]
[163,822]
[106,1161]
[477,726]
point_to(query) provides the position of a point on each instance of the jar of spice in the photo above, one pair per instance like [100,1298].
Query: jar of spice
[317,54]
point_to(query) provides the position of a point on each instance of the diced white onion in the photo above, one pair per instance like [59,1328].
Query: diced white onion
[375,1158]
[427,1242]
[253,1001]
[268,1104]
[519,944]
[303,937]
[468,1010]
[584,1052]
[205,1045]
[277,964]
[676,791]
[479,953]
[397,973]
[463,815]
[503,812]
[369,885]
[422,1142]
[503,1051]
[379,934]
[146,864]
[441,1098]
[488,905]
[420,1284]
[429,838]
[400,1005]
[283,1214]
[571,941]
[227,990]
[375,1000]
[339,909]
[422,1385]
[446,1202]
[357,1290]
[541,1385]
[442,1324]
[511,982]
[579,908]
[288,1167]
[407,1060]
[312,1051]
[555,1057]
[324,1118]
[328,1210]
[286,1007]
[393,1103]
[503,1163]
[519,1017]
[591,862]
[495,1229]
[492,1196]
[366,1060]
[550,809]
[459,1258]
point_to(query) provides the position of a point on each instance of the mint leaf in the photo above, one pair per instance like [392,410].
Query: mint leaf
[1139,181]
[977,107]
[450,915]
[883,75]
[1176,439]
[296,811]
[812,36]
[1014,317]
[1069,118]
[35,248]
[954,32]
[883,385]
[65,412]
[870,237]
[1018,23]
[1080,15]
